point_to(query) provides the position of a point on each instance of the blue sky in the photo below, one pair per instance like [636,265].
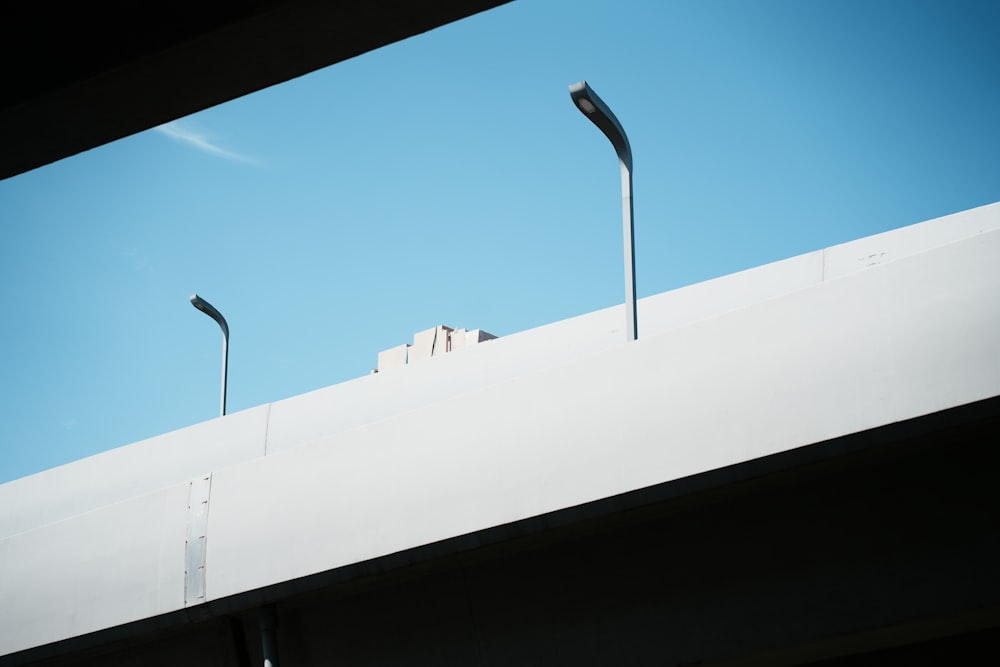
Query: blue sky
[448,179]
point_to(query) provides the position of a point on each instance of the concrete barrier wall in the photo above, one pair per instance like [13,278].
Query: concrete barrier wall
[774,358]
[914,337]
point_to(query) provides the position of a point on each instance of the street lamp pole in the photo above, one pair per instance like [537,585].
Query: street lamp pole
[594,108]
[208,309]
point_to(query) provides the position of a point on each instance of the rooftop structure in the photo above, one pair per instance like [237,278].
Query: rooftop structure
[430,343]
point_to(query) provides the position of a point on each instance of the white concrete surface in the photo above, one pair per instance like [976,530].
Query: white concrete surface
[106,567]
[118,474]
[830,343]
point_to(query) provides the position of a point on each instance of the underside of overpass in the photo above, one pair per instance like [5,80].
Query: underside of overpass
[83,74]
[877,548]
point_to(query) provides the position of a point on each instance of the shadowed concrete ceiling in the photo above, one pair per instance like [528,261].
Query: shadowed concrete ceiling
[83,74]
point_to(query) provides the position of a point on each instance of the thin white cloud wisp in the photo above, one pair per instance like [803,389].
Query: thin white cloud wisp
[198,140]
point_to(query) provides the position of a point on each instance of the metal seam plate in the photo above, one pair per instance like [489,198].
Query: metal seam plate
[195,547]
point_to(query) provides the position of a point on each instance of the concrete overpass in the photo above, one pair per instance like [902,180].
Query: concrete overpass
[795,465]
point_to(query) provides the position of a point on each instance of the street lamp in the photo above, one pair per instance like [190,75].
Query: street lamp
[594,108]
[208,309]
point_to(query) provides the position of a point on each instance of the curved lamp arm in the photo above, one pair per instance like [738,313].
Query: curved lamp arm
[209,309]
[594,108]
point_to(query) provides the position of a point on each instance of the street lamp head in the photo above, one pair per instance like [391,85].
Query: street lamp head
[594,108]
[209,309]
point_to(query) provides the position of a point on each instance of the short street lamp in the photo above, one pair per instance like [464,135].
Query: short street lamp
[208,309]
[594,108]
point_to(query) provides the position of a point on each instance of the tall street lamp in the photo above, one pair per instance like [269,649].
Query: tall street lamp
[208,309]
[594,108]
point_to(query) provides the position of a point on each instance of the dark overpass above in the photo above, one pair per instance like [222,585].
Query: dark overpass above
[85,74]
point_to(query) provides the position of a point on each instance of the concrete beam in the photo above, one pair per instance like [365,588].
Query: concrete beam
[91,73]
